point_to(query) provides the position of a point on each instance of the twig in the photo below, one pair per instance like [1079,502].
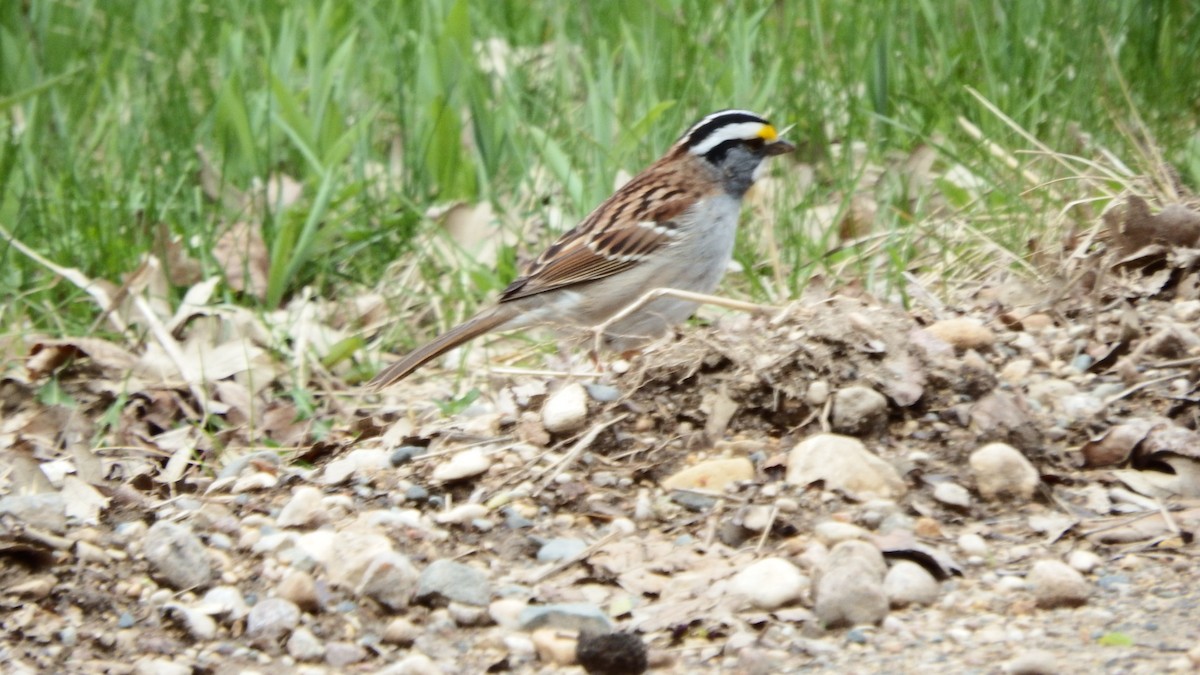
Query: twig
[1138,387]
[571,455]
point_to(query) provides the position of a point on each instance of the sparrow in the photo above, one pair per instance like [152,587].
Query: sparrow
[672,226]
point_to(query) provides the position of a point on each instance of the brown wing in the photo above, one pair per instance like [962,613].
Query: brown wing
[632,224]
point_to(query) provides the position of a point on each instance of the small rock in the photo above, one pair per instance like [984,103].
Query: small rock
[342,654]
[858,410]
[304,646]
[271,618]
[554,647]
[226,601]
[1056,584]
[1083,561]
[843,463]
[303,509]
[253,482]
[401,632]
[350,552]
[405,454]
[712,475]
[973,544]
[506,612]
[43,510]
[1033,662]
[198,625]
[602,393]
[560,549]
[415,663]
[447,580]
[1001,470]
[461,514]
[149,666]
[299,587]
[578,616]
[817,394]
[907,583]
[769,583]
[390,580]
[566,409]
[462,465]
[952,494]
[963,333]
[830,532]
[177,556]
[612,654]
[362,460]
[850,589]
[467,615]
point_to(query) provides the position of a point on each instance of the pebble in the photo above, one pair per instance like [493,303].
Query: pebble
[712,475]
[554,647]
[576,616]
[461,514]
[467,615]
[198,625]
[447,580]
[850,590]
[462,465]
[817,394]
[300,588]
[362,460]
[149,666]
[769,583]
[566,409]
[612,653]
[858,410]
[304,646]
[177,556]
[952,494]
[843,463]
[401,632]
[42,510]
[271,618]
[1056,584]
[1001,470]
[963,333]
[602,393]
[830,532]
[226,601]
[303,509]
[342,654]
[506,612]
[1083,561]
[1033,662]
[560,549]
[350,552]
[972,544]
[415,663]
[908,583]
[259,480]
[390,580]
[405,454]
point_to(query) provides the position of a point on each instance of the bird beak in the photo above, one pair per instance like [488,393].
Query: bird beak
[778,147]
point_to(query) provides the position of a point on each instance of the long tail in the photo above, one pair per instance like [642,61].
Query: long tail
[483,322]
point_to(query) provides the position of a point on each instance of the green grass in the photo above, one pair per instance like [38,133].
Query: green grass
[382,109]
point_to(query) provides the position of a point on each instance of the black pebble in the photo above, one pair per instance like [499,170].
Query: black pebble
[611,654]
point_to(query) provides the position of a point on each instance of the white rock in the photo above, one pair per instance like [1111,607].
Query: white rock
[317,545]
[972,544]
[1033,662]
[303,509]
[850,588]
[353,551]
[831,532]
[858,410]
[566,409]
[1056,584]
[769,583]
[952,494]
[390,579]
[415,663]
[907,583]
[506,612]
[843,463]
[463,513]
[363,459]
[1083,561]
[1001,470]
[304,646]
[259,480]
[197,624]
[462,465]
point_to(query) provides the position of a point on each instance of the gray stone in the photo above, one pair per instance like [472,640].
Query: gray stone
[45,510]
[177,556]
[1033,662]
[843,463]
[271,618]
[850,590]
[342,654]
[560,549]
[858,410]
[304,646]
[390,580]
[1002,471]
[1057,584]
[446,580]
[907,583]
[303,509]
[578,616]
[566,409]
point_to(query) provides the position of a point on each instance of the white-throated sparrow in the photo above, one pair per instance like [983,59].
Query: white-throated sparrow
[671,226]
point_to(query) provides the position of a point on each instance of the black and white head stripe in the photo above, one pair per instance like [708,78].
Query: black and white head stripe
[725,126]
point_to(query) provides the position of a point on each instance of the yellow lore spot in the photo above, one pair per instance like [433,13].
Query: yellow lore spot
[768,133]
